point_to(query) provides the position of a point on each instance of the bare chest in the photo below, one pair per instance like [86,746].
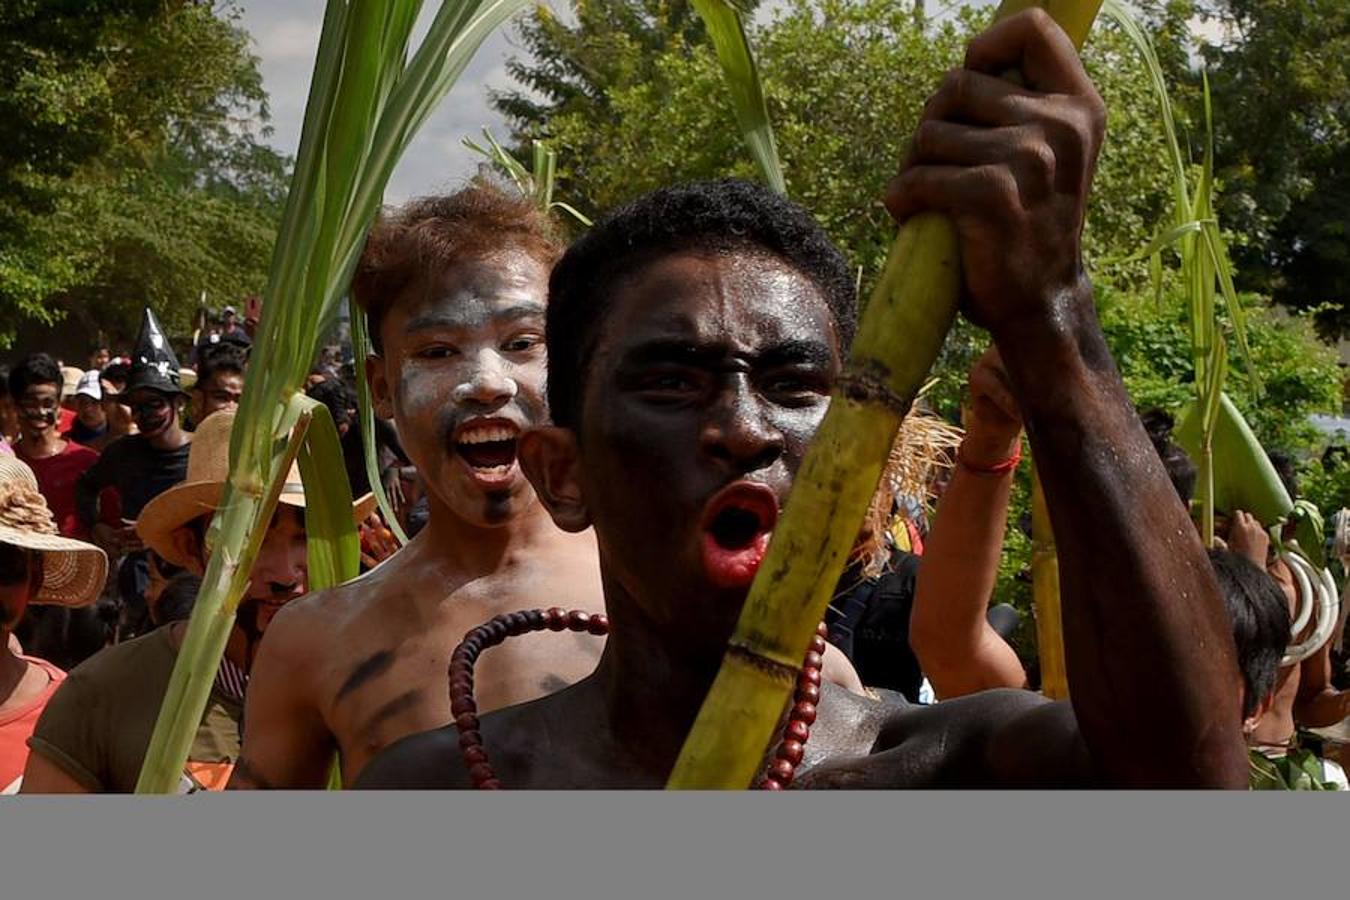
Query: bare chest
[391,680]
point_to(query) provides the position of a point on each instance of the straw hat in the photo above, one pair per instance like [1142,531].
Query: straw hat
[199,493]
[73,572]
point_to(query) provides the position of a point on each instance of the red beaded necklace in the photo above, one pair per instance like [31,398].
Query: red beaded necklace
[464,708]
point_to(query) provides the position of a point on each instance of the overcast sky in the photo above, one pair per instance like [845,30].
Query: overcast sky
[286,35]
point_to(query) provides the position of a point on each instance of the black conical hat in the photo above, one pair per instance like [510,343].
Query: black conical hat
[153,363]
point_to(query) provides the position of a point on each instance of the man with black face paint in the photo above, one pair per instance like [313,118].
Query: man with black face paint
[694,340]
[143,465]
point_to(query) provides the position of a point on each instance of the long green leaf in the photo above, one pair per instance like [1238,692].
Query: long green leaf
[365,406]
[727,32]
[366,101]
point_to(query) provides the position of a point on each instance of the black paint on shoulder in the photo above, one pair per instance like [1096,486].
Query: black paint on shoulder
[371,667]
[402,702]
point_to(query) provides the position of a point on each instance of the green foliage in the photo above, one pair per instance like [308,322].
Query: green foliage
[133,169]
[1282,95]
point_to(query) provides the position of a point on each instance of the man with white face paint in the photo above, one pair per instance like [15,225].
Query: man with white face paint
[454,290]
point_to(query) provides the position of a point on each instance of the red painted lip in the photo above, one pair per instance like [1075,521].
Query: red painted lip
[737,523]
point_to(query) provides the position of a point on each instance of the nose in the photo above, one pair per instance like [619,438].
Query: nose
[487,383]
[283,566]
[738,432]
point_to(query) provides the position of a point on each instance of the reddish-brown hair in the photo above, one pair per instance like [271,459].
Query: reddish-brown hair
[431,234]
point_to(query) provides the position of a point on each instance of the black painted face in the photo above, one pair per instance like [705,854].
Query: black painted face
[709,380]
[463,375]
[153,411]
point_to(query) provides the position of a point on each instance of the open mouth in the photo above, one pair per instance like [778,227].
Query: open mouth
[488,448]
[737,524]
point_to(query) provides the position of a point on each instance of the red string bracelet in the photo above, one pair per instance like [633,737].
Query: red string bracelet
[998,468]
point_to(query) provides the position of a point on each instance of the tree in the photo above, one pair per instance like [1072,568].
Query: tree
[133,169]
[1281,86]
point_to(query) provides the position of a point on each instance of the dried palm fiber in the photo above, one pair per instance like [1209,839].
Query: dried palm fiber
[924,446]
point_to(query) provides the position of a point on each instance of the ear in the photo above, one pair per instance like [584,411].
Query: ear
[186,546]
[380,394]
[1249,724]
[550,458]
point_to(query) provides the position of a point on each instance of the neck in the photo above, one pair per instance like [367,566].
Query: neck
[170,438]
[653,685]
[41,444]
[12,669]
[477,550]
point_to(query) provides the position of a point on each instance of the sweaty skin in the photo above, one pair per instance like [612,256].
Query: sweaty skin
[355,668]
[717,368]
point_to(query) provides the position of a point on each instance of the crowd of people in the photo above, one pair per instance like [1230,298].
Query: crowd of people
[589,446]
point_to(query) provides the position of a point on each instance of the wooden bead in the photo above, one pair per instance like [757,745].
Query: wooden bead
[481,772]
[797,731]
[791,751]
[469,739]
[492,784]
[808,692]
[813,660]
[463,705]
[555,618]
[804,711]
[474,755]
[781,771]
[818,644]
[809,676]
[467,721]
[599,624]
[768,784]
[578,620]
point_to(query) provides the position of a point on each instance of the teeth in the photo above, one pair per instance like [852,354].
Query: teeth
[493,470]
[485,434]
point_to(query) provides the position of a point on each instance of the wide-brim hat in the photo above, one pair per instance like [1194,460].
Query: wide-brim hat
[73,572]
[200,492]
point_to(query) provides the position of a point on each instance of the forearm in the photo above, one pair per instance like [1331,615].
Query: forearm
[949,632]
[1147,641]
[1319,704]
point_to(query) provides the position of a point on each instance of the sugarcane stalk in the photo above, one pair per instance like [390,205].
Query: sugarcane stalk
[1045,597]
[245,512]
[899,338]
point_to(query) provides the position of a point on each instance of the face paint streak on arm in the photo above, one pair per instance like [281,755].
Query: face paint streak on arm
[401,703]
[371,667]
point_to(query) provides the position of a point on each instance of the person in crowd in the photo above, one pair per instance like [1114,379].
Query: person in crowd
[70,381]
[93,735]
[99,357]
[142,465]
[138,467]
[9,415]
[220,380]
[174,601]
[37,566]
[35,382]
[949,625]
[91,420]
[230,328]
[694,338]
[112,383]
[453,289]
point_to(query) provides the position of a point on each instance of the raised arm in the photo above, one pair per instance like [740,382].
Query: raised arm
[1148,647]
[949,630]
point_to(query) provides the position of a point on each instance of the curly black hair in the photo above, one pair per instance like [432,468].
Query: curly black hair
[716,216]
